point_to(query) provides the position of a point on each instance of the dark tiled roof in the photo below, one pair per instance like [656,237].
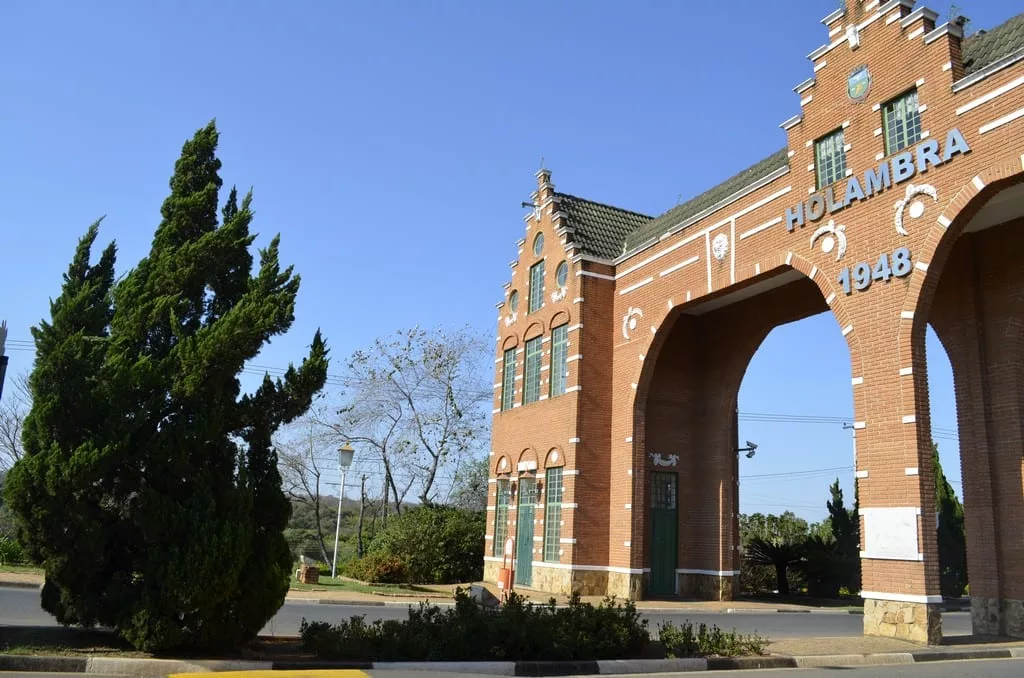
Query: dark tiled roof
[983,49]
[599,229]
[691,208]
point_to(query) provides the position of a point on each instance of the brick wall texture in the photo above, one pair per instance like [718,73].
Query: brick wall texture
[660,338]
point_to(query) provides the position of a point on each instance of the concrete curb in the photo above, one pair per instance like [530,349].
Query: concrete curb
[20,585]
[152,668]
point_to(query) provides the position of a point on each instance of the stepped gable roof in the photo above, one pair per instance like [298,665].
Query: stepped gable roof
[609,232]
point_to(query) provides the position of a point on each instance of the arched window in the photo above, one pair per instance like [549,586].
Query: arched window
[538,244]
[562,274]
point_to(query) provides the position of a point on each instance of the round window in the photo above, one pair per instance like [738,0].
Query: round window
[538,244]
[562,274]
[513,301]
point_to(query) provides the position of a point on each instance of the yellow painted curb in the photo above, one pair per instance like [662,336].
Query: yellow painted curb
[312,673]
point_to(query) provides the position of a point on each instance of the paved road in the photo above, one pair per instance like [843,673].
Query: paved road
[21,607]
[990,668]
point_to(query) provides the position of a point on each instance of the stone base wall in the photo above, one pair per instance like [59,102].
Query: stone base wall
[625,586]
[916,622]
[995,617]
[491,571]
[590,583]
[706,586]
[551,579]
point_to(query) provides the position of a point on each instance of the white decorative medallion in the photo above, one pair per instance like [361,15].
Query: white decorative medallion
[511,318]
[853,36]
[915,208]
[670,460]
[720,246]
[835,238]
[629,321]
[559,294]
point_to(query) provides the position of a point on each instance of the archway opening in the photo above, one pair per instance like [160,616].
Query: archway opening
[798,526]
[975,304]
[687,412]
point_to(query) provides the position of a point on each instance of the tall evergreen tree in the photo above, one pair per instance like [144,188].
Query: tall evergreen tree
[952,536]
[845,524]
[149,489]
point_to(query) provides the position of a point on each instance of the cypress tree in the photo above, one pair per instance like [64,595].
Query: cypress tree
[952,535]
[149,489]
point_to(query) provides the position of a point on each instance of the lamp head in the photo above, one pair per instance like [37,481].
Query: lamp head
[345,454]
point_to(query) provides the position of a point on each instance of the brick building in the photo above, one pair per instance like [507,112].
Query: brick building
[623,338]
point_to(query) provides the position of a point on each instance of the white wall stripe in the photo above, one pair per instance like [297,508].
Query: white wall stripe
[861,474]
[789,258]
[762,227]
[636,286]
[847,330]
[830,298]
[920,82]
[814,272]
[757,267]
[858,425]
[573,441]
[578,300]
[819,66]
[906,371]
[878,132]
[857,381]
[629,507]
[909,418]
[578,356]
[679,266]
[921,266]
[1010,117]
[985,98]
[808,99]
[911,470]
[629,439]
[948,66]
[977,181]
[712,573]
[573,328]
[573,389]
[907,315]
[944,221]
[901,597]
[916,33]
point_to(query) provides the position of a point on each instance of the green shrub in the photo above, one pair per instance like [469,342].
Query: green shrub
[434,544]
[470,632]
[708,642]
[11,552]
[377,568]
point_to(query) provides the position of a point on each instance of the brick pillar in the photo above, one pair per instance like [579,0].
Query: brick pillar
[977,314]
[899,546]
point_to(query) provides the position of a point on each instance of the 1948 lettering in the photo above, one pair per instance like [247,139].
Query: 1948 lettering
[864,274]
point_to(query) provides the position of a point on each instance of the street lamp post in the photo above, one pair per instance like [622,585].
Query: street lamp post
[345,454]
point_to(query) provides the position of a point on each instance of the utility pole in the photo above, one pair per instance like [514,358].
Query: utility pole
[3,358]
[362,509]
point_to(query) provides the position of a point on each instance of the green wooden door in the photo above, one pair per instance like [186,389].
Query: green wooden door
[524,531]
[664,533]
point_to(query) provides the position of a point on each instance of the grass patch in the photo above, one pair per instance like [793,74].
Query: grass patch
[21,569]
[64,642]
[352,586]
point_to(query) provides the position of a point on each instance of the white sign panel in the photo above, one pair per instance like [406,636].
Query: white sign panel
[891,533]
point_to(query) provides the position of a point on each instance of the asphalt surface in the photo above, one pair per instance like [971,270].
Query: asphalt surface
[21,607]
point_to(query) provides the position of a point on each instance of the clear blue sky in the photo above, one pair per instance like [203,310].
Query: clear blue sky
[391,144]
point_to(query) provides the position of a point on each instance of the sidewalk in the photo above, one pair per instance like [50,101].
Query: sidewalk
[442,595]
